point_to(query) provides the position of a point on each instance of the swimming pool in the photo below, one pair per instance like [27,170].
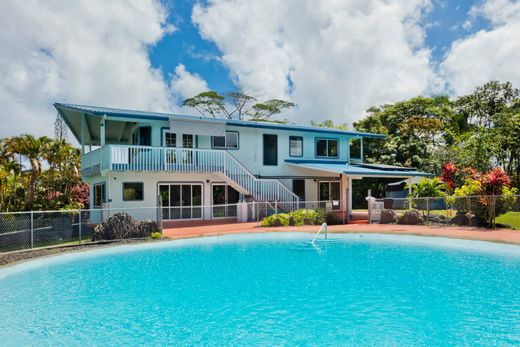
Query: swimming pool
[268,289]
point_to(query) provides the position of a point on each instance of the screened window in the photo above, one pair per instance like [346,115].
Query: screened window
[133,191]
[187,141]
[295,146]
[170,139]
[229,141]
[99,195]
[327,148]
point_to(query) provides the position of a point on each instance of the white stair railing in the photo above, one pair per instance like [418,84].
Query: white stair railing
[144,158]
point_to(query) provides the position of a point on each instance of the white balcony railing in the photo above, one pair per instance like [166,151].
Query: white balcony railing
[143,158]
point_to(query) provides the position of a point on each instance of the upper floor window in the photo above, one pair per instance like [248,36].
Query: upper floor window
[170,139]
[229,141]
[295,146]
[142,136]
[327,148]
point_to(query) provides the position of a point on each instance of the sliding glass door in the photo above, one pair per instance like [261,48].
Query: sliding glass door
[181,200]
[228,197]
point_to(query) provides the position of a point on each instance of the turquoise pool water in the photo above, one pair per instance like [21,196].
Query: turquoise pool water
[270,289]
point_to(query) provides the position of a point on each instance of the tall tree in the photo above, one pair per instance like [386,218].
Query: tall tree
[60,128]
[235,105]
[33,149]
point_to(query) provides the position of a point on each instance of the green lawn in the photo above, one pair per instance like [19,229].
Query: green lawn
[510,218]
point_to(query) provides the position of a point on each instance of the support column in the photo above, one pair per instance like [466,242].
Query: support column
[349,196]
[361,150]
[345,193]
[82,130]
[102,131]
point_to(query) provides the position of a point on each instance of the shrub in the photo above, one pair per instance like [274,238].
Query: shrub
[156,235]
[294,218]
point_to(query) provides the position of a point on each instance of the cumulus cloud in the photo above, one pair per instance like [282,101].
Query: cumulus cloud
[92,52]
[332,58]
[492,54]
[185,84]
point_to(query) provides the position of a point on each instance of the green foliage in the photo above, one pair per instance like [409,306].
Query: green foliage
[428,187]
[40,173]
[294,218]
[156,235]
[479,130]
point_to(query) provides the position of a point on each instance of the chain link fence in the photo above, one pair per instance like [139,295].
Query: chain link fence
[33,229]
[479,211]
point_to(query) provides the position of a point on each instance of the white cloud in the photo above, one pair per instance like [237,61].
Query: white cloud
[92,52]
[333,58]
[492,54]
[185,84]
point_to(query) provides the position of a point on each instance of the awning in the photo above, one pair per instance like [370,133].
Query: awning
[198,127]
[363,170]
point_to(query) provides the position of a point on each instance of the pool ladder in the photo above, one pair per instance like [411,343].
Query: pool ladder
[325,227]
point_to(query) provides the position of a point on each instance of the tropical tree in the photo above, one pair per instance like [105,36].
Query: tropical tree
[235,105]
[33,150]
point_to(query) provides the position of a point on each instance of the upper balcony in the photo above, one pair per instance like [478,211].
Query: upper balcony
[146,158]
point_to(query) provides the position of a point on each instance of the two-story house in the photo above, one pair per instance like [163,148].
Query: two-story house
[182,163]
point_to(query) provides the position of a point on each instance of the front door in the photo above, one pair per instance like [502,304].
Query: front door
[270,143]
[330,191]
[224,200]
[187,142]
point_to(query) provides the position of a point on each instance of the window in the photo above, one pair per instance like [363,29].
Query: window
[229,141]
[142,136]
[99,195]
[295,146]
[330,191]
[187,141]
[170,139]
[133,191]
[327,148]
[270,150]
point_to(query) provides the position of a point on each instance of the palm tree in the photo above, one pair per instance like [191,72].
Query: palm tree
[33,149]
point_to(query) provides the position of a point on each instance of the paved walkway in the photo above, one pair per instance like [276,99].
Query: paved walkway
[500,235]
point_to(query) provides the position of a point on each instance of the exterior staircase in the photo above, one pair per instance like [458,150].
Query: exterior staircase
[172,159]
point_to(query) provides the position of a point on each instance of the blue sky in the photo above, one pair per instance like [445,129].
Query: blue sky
[443,25]
[333,58]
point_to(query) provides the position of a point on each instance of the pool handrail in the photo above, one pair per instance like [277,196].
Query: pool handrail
[323,226]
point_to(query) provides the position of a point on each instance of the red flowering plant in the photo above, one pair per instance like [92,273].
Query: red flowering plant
[448,175]
[487,195]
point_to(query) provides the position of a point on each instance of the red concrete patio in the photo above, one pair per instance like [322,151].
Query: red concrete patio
[470,233]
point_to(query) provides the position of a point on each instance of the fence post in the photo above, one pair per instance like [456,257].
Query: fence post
[79,227]
[276,206]
[32,229]
[427,209]
[494,210]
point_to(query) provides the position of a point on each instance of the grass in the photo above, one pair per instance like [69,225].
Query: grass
[510,218]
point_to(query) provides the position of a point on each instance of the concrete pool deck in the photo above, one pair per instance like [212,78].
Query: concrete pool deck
[467,233]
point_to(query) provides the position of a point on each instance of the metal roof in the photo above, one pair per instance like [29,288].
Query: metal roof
[133,114]
[343,167]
